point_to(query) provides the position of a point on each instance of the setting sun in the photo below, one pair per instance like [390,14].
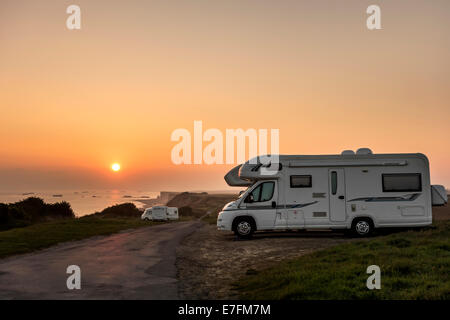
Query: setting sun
[115,167]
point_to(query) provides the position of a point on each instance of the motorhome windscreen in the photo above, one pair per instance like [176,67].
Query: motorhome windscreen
[402,182]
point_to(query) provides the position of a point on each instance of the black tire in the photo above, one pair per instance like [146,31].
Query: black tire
[244,227]
[362,227]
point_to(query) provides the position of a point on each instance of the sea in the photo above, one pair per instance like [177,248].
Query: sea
[84,202]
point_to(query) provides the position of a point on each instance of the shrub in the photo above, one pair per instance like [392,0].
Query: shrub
[120,210]
[60,210]
[32,210]
[4,213]
[185,211]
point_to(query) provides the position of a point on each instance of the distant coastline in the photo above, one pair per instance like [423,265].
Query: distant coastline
[85,202]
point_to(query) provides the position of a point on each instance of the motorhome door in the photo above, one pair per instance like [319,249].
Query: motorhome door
[261,204]
[337,195]
[281,217]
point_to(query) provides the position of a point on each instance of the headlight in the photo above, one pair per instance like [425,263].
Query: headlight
[230,205]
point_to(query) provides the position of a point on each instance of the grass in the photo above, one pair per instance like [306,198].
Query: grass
[44,235]
[201,204]
[211,218]
[414,265]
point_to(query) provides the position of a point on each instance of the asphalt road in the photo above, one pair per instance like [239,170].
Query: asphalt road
[137,264]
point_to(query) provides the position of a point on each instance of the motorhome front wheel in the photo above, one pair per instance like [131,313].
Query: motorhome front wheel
[244,229]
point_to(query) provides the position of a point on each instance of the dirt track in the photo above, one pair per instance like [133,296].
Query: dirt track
[209,261]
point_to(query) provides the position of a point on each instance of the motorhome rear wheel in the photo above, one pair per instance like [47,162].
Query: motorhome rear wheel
[362,227]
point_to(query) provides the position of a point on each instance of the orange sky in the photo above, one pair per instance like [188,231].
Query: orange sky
[74,102]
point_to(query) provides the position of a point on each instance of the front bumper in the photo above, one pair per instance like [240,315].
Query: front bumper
[222,222]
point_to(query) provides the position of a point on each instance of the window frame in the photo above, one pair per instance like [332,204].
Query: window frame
[402,174]
[300,175]
[260,192]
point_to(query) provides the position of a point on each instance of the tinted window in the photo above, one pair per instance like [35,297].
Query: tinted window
[334,182]
[256,192]
[263,192]
[267,191]
[304,181]
[401,182]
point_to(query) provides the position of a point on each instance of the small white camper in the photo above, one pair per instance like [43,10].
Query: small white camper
[147,215]
[160,213]
[172,213]
[359,191]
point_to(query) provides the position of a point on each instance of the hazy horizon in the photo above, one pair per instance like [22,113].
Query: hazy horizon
[75,102]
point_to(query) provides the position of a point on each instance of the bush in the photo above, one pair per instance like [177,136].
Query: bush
[120,210]
[32,210]
[60,210]
[4,214]
[185,211]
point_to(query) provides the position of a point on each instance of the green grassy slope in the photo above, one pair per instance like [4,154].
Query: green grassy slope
[43,235]
[414,265]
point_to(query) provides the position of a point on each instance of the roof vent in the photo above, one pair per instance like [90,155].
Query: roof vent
[363,151]
[347,152]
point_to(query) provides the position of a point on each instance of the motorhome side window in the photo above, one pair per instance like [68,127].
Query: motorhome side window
[333,182]
[263,192]
[402,182]
[303,181]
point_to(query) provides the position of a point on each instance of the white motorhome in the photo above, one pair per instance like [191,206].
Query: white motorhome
[172,213]
[147,215]
[359,191]
[160,213]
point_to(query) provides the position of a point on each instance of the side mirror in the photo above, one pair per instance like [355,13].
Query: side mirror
[241,192]
[274,204]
